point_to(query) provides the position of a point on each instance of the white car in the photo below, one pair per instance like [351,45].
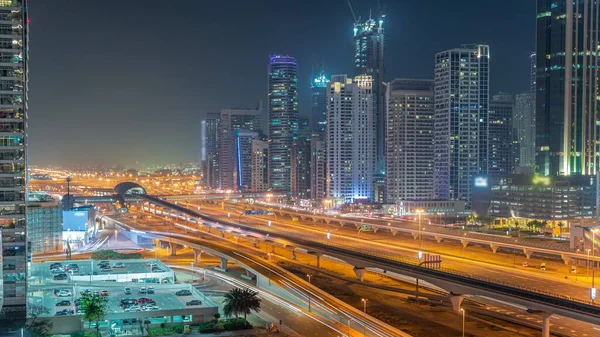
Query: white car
[119,265]
[151,307]
[63,293]
[133,308]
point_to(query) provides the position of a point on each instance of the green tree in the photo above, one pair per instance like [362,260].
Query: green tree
[241,301]
[95,308]
[560,226]
[217,316]
[36,324]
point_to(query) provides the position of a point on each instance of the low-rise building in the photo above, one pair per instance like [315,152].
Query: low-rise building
[441,208]
[44,226]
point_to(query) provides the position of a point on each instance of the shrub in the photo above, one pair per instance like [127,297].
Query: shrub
[112,255]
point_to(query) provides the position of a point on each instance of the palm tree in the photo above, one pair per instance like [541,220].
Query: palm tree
[560,225]
[241,301]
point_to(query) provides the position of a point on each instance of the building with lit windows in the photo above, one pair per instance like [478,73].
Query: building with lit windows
[500,139]
[567,87]
[14,52]
[524,129]
[300,182]
[230,121]
[519,198]
[260,166]
[210,131]
[369,43]
[350,139]
[318,102]
[409,140]
[243,158]
[461,120]
[318,170]
[283,119]
[44,226]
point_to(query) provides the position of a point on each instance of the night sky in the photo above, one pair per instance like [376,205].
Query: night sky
[115,82]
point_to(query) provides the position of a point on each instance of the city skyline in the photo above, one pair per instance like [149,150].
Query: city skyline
[141,103]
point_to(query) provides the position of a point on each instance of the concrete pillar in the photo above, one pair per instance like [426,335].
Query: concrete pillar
[173,248]
[254,243]
[456,300]
[357,225]
[527,252]
[318,260]
[197,256]
[438,238]
[394,232]
[375,229]
[222,233]
[565,258]
[545,316]
[464,242]
[494,247]
[223,263]
[360,273]
[294,255]
[415,235]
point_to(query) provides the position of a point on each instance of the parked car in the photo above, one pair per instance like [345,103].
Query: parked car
[55,265]
[80,312]
[150,290]
[128,301]
[193,302]
[184,292]
[127,291]
[63,293]
[96,293]
[119,265]
[157,269]
[60,277]
[151,307]
[144,300]
[133,308]
[65,312]
[143,290]
[57,270]
[64,303]
[105,270]
[104,293]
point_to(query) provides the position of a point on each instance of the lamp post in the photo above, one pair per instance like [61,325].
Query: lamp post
[364,300]
[587,264]
[309,276]
[463,321]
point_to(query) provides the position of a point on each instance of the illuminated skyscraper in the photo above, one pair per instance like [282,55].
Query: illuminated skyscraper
[14,52]
[231,122]
[500,140]
[210,132]
[319,103]
[283,119]
[369,43]
[461,120]
[260,166]
[567,123]
[318,170]
[524,128]
[409,140]
[350,139]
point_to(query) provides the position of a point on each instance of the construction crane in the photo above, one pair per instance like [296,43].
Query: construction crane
[356,21]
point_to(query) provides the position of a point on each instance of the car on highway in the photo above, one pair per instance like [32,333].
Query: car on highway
[104,293]
[65,312]
[127,291]
[64,303]
[55,265]
[119,265]
[60,277]
[150,290]
[133,308]
[543,266]
[184,292]
[193,302]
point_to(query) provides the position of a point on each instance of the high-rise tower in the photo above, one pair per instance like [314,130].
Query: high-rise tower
[210,132]
[368,60]
[461,120]
[350,138]
[567,120]
[283,119]
[14,50]
[318,101]
[500,139]
[409,140]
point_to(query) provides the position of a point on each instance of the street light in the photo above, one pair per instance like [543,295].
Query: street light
[364,300]
[463,321]
[587,265]
[309,276]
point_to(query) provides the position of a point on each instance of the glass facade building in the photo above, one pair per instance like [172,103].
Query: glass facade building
[461,120]
[44,226]
[283,119]
[318,97]
[567,123]
[500,155]
[210,129]
[13,160]
[409,139]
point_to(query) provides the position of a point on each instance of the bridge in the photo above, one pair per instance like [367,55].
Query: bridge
[456,283]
